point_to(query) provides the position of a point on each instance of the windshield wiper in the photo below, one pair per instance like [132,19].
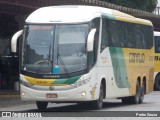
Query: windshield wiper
[49,54]
[63,65]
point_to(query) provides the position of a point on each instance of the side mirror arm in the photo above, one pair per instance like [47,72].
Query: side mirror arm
[90,40]
[14,41]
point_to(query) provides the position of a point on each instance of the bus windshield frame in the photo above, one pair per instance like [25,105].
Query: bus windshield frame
[54,49]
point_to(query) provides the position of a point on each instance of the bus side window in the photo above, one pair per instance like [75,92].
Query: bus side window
[105,35]
[138,37]
[114,33]
[121,33]
[149,36]
[130,35]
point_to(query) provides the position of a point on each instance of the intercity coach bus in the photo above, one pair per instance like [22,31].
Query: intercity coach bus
[157,61]
[85,54]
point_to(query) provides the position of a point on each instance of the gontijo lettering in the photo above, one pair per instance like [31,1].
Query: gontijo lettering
[136,57]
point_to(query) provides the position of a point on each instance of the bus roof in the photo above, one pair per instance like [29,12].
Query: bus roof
[78,13]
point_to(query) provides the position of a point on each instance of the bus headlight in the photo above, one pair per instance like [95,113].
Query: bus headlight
[26,83]
[22,94]
[82,82]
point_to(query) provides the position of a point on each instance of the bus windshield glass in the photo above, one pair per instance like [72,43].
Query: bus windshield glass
[157,44]
[48,46]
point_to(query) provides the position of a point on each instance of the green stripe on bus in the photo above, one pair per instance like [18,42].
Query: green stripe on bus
[119,67]
[67,80]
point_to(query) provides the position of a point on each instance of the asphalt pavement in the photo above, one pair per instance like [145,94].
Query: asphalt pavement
[151,103]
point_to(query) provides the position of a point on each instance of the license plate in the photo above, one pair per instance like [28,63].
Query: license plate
[51,95]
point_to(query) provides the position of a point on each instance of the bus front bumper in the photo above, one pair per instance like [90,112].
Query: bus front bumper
[74,95]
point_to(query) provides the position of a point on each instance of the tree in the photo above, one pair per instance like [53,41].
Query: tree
[145,5]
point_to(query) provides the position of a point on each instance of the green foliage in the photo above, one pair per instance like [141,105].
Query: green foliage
[146,5]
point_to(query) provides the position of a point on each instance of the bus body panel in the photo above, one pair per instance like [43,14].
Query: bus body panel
[122,70]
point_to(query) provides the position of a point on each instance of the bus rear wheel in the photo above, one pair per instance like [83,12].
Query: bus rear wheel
[142,92]
[42,106]
[135,99]
[157,83]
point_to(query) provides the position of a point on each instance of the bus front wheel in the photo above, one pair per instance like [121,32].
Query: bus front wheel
[42,106]
[98,104]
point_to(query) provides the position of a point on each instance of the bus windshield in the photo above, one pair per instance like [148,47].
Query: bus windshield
[157,44]
[48,46]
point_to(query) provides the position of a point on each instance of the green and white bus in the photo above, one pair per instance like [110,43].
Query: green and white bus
[85,54]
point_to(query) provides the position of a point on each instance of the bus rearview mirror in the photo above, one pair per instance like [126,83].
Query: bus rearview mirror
[14,41]
[90,40]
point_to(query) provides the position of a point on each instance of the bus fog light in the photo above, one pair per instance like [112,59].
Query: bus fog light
[83,93]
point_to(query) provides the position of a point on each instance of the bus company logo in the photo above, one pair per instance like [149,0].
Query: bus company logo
[51,88]
[136,57]
[6,114]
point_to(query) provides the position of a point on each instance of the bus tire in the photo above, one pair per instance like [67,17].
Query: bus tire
[42,106]
[157,83]
[98,104]
[135,99]
[142,92]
